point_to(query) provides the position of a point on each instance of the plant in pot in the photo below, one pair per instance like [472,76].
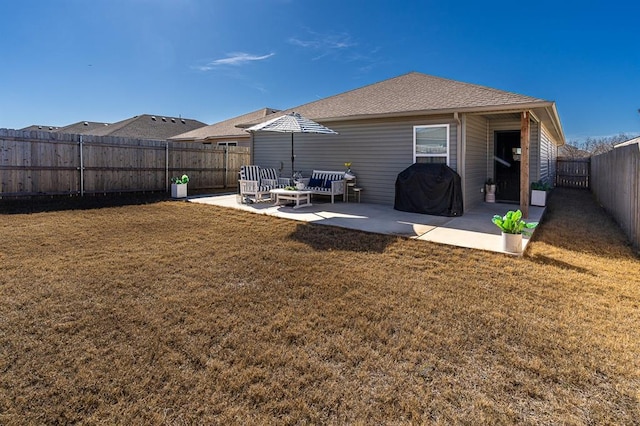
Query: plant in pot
[179,186]
[513,227]
[490,191]
[539,191]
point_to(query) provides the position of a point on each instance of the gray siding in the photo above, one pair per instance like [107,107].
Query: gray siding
[377,149]
[477,159]
[548,157]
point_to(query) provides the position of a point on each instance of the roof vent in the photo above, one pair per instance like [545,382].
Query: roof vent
[39,127]
[173,120]
[106,124]
[164,119]
[86,123]
[153,117]
[183,122]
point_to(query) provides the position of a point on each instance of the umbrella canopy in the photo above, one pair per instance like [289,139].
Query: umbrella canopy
[292,123]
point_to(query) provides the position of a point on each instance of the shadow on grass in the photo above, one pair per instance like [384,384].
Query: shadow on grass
[327,238]
[546,260]
[62,203]
[94,201]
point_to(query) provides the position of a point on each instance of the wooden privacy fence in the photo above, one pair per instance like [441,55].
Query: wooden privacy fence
[616,185]
[573,173]
[43,163]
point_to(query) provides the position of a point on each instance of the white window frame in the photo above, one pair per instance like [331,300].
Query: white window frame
[416,156]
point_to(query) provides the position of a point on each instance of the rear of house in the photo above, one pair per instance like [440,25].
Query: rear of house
[385,127]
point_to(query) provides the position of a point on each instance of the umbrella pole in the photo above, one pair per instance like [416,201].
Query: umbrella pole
[293,157]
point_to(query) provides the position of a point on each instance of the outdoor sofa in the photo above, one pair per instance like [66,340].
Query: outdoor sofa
[323,182]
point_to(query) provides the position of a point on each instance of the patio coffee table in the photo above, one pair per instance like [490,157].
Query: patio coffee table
[301,197]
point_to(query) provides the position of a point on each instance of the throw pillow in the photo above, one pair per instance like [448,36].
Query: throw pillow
[315,183]
[327,183]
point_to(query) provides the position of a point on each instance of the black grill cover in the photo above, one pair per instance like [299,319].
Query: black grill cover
[434,189]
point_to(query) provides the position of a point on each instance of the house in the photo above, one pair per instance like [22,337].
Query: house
[225,133]
[629,142]
[385,127]
[138,127]
[571,151]
[148,127]
[82,127]
[39,128]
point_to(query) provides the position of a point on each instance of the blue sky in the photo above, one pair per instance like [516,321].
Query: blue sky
[106,60]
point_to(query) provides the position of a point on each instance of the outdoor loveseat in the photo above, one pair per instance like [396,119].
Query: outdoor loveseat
[256,182]
[323,182]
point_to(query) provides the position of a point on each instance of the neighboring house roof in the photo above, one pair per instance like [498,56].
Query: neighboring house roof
[416,94]
[226,128]
[148,127]
[629,142]
[40,127]
[571,151]
[82,127]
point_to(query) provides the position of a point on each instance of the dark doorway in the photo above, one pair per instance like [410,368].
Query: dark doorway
[507,163]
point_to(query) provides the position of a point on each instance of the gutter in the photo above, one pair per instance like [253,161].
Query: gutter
[482,109]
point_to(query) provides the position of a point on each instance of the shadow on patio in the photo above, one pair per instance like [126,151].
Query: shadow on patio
[472,230]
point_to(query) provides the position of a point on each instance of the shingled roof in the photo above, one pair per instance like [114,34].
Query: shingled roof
[82,127]
[226,128]
[40,128]
[412,93]
[148,127]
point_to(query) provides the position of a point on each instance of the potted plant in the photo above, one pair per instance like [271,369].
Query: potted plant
[348,174]
[513,227]
[490,191]
[179,186]
[539,191]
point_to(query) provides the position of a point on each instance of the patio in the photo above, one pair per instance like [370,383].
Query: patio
[472,230]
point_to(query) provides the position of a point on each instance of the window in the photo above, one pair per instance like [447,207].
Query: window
[227,144]
[431,144]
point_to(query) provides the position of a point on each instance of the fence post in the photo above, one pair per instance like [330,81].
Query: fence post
[166,167]
[81,168]
[226,167]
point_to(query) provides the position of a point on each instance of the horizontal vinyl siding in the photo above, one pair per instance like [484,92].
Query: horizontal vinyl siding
[377,149]
[534,151]
[548,157]
[476,159]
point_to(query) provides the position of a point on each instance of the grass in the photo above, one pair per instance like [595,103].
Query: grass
[179,313]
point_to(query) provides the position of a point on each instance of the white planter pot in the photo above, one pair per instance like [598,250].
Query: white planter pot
[490,193]
[178,190]
[512,243]
[538,198]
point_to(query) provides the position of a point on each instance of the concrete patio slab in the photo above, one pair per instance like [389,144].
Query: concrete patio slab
[471,230]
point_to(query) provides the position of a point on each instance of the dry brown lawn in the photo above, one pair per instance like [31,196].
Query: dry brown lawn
[179,313]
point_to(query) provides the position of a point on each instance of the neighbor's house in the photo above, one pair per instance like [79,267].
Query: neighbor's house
[225,133]
[387,126]
[148,127]
[143,126]
[627,143]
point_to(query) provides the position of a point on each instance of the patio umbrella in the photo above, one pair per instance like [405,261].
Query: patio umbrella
[292,123]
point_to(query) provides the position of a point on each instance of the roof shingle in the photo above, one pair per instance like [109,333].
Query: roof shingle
[226,128]
[407,93]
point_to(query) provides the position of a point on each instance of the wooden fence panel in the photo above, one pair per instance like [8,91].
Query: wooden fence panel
[37,163]
[44,163]
[573,173]
[616,185]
